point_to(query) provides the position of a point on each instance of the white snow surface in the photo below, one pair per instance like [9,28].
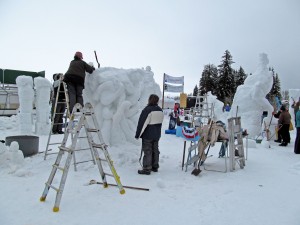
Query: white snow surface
[265,192]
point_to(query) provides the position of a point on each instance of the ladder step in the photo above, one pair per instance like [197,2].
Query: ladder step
[84,161]
[58,143]
[58,167]
[81,149]
[59,113]
[99,145]
[64,149]
[92,130]
[193,147]
[108,174]
[193,159]
[100,159]
[85,137]
[55,188]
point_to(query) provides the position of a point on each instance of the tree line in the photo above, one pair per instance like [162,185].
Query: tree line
[222,81]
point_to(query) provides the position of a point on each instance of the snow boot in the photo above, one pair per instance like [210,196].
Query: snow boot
[144,172]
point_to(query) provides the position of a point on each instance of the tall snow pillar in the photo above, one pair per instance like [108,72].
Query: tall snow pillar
[26,97]
[42,100]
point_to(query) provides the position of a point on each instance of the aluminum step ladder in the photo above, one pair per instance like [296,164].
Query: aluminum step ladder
[101,147]
[236,146]
[51,145]
[193,155]
[202,111]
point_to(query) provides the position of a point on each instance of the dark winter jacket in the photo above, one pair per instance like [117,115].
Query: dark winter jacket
[298,119]
[284,118]
[61,94]
[150,122]
[76,71]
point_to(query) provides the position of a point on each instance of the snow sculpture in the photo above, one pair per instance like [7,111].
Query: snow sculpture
[26,97]
[12,157]
[250,98]
[42,87]
[218,106]
[117,96]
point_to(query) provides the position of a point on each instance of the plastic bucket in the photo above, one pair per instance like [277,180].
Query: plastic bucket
[28,144]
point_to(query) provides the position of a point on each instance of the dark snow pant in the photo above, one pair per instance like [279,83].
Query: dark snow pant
[75,94]
[58,119]
[151,154]
[297,142]
[284,133]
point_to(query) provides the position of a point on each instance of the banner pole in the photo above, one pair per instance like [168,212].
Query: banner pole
[163,97]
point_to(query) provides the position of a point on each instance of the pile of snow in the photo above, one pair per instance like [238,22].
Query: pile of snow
[11,158]
[118,95]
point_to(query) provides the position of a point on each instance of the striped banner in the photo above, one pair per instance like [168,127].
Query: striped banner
[173,88]
[174,80]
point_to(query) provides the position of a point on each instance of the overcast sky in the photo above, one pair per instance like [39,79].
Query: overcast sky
[177,37]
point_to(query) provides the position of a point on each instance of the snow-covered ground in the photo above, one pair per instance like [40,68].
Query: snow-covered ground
[265,192]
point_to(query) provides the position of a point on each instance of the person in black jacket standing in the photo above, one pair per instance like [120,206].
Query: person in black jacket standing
[74,79]
[61,106]
[149,129]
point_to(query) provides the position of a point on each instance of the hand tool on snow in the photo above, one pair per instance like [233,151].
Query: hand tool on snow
[114,185]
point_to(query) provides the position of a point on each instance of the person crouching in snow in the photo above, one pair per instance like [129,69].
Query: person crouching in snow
[149,129]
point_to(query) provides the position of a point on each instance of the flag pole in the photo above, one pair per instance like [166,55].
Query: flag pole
[163,97]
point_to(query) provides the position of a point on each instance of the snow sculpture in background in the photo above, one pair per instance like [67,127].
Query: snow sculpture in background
[26,98]
[251,98]
[217,107]
[42,98]
[117,96]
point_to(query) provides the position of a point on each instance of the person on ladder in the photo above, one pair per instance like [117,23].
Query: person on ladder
[60,107]
[75,77]
[149,129]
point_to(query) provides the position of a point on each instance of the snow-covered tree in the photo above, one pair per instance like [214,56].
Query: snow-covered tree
[208,79]
[240,77]
[226,88]
[195,92]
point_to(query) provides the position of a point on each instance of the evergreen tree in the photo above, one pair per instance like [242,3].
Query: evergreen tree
[276,87]
[275,90]
[195,92]
[240,77]
[208,79]
[225,85]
